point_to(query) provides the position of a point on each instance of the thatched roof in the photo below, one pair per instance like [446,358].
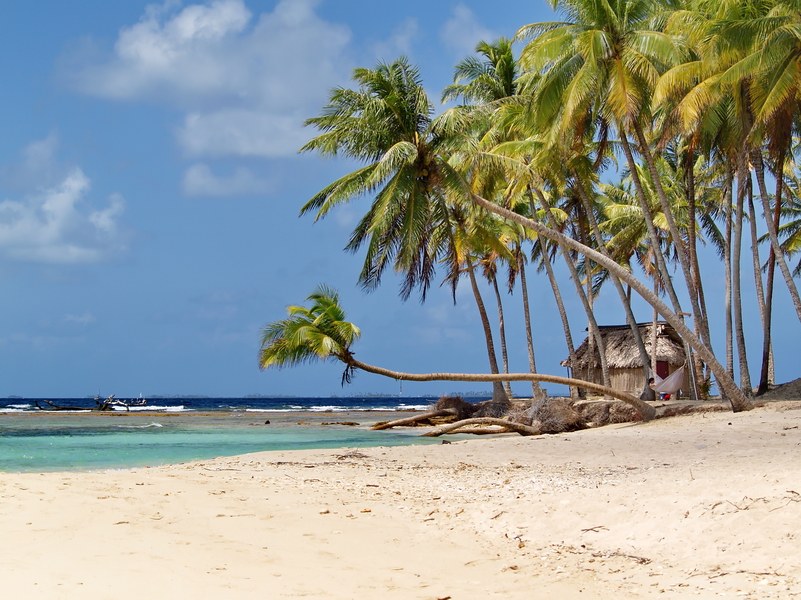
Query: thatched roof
[621,351]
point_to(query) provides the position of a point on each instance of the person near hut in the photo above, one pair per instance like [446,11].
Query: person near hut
[648,394]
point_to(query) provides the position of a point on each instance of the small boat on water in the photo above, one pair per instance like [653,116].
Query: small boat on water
[102,404]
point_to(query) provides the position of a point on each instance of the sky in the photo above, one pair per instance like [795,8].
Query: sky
[150,185]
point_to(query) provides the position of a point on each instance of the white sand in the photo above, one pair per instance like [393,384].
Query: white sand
[695,506]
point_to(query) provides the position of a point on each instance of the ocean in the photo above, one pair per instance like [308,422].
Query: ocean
[176,430]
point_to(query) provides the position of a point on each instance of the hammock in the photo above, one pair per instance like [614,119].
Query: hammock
[671,384]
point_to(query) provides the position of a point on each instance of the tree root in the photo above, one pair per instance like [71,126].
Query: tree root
[445,412]
[480,431]
[507,425]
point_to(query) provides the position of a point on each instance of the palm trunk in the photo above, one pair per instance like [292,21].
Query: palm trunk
[774,235]
[695,267]
[502,334]
[758,284]
[537,392]
[498,393]
[678,243]
[767,346]
[664,275]
[560,305]
[743,180]
[728,198]
[624,297]
[594,331]
[735,396]
[654,320]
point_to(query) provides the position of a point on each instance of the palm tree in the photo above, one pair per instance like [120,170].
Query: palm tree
[308,334]
[602,62]
[487,83]
[387,122]
[489,79]
[320,333]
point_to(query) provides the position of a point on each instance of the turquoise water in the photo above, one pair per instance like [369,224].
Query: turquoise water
[55,442]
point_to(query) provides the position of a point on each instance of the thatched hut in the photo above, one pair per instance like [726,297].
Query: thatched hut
[623,358]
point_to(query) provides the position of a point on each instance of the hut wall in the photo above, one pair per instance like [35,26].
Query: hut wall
[627,380]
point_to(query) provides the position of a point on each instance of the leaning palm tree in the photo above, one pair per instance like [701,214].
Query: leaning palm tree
[320,332]
[315,333]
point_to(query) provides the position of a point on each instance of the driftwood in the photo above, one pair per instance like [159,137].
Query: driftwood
[445,412]
[508,425]
[57,407]
[479,431]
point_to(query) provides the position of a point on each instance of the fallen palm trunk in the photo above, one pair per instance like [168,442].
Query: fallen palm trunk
[445,412]
[647,412]
[508,425]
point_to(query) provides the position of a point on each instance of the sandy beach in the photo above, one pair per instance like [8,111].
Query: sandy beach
[703,505]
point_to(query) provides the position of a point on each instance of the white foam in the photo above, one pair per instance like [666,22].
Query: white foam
[151,408]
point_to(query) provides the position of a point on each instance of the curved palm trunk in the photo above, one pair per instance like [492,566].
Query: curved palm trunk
[647,412]
[737,399]
[774,236]
[502,334]
[537,392]
[498,393]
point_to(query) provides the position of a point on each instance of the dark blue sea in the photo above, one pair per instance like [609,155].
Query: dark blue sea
[252,404]
[35,437]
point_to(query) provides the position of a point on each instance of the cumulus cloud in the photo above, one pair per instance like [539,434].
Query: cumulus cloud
[199,180]
[53,224]
[401,41]
[462,32]
[246,83]
[36,165]
[86,318]
[242,132]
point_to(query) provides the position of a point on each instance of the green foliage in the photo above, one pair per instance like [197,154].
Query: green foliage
[319,332]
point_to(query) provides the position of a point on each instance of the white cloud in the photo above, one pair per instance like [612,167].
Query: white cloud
[37,166]
[86,318]
[462,32]
[51,225]
[242,132]
[401,41]
[247,84]
[199,180]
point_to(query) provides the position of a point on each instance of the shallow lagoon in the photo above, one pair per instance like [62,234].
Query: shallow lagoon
[56,441]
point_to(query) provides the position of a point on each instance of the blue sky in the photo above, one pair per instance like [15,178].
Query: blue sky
[150,187]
